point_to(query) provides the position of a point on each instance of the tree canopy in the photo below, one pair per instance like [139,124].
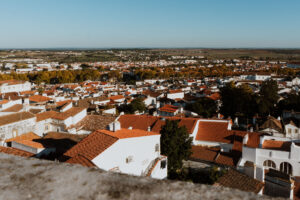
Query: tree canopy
[176,144]
[205,107]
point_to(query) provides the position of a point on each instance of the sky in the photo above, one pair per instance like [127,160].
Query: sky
[149,23]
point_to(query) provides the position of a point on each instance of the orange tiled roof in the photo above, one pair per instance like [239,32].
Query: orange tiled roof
[71,112]
[57,115]
[169,108]
[31,143]
[26,136]
[15,117]
[17,152]
[189,123]
[253,139]
[39,98]
[92,145]
[155,123]
[4,101]
[127,133]
[45,115]
[276,145]
[228,158]
[137,121]
[81,160]
[61,103]
[204,153]
[117,97]
[215,96]
[237,180]
[216,132]
[14,108]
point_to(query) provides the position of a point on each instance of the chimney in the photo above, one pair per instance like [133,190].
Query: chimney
[114,126]
[149,128]
[130,127]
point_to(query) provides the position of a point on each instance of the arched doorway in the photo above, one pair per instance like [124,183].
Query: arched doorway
[286,168]
[269,164]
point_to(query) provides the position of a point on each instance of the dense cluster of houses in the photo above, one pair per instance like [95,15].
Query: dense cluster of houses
[79,124]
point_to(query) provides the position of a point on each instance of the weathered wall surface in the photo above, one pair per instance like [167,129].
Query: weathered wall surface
[22,178]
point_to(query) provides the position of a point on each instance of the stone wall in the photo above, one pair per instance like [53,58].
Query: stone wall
[23,178]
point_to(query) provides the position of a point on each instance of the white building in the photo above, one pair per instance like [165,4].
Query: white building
[129,151]
[16,124]
[175,94]
[281,154]
[14,86]
[59,121]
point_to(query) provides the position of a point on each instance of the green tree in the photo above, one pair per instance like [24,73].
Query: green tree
[137,105]
[176,144]
[268,97]
[204,106]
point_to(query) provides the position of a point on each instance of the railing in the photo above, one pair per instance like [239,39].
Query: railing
[149,168]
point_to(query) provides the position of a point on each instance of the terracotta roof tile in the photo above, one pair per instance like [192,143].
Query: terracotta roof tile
[217,132]
[92,145]
[81,160]
[137,121]
[17,152]
[39,98]
[26,136]
[228,158]
[8,119]
[14,108]
[127,133]
[45,115]
[31,143]
[94,122]
[237,180]
[117,97]
[276,145]
[169,108]
[204,153]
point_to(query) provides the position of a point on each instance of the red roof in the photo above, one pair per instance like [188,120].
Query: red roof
[277,145]
[215,96]
[117,97]
[169,108]
[17,152]
[39,98]
[155,123]
[127,133]
[92,145]
[81,160]
[137,121]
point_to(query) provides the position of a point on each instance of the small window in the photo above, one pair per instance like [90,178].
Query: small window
[129,159]
[157,148]
[289,130]
[296,130]
[163,164]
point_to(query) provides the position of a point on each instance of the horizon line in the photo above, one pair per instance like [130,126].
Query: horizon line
[109,48]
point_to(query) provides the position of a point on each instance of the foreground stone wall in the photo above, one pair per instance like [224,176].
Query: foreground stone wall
[23,178]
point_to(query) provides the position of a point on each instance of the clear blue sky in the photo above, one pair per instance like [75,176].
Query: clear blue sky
[149,23]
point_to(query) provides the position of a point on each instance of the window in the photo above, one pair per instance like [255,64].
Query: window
[157,148]
[163,164]
[269,164]
[289,130]
[296,130]
[286,168]
[129,159]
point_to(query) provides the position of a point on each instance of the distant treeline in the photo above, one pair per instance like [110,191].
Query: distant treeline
[54,77]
